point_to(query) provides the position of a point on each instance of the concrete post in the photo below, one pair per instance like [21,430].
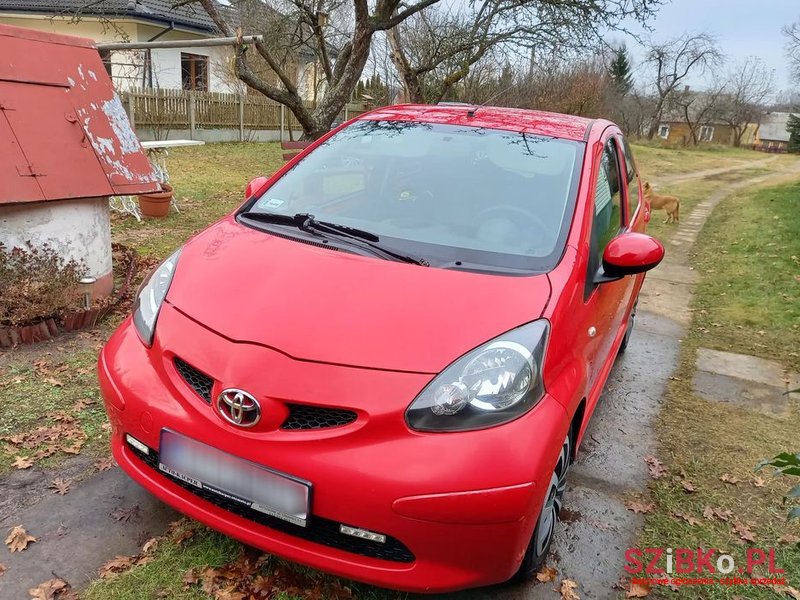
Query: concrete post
[283,109]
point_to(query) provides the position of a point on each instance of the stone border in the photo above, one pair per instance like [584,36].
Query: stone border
[51,327]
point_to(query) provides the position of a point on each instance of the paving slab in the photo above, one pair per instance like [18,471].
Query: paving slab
[742,366]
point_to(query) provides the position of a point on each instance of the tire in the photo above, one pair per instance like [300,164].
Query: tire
[629,329]
[543,533]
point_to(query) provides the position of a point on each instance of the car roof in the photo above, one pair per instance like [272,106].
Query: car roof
[493,117]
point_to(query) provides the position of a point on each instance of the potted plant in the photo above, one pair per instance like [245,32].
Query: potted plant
[156,204]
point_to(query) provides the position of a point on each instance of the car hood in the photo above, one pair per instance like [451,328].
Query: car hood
[336,307]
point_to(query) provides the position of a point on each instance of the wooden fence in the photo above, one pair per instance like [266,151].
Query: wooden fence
[162,110]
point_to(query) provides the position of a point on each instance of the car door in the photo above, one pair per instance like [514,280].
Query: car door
[605,305]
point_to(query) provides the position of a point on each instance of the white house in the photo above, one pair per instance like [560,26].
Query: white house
[202,69]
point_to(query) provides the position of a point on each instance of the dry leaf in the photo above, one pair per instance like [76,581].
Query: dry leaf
[743,531]
[688,518]
[48,590]
[190,578]
[639,507]
[54,382]
[656,468]
[60,486]
[717,513]
[116,565]
[758,481]
[687,486]
[787,590]
[18,539]
[546,574]
[789,539]
[3,569]
[567,590]
[728,478]
[123,515]
[150,544]
[638,590]
[22,462]
[104,464]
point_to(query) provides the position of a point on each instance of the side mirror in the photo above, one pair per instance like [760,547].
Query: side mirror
[629,254]
[254,185]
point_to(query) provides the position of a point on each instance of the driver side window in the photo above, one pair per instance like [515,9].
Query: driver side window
[607,220]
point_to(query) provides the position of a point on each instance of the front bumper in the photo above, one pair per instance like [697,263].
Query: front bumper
[463,505]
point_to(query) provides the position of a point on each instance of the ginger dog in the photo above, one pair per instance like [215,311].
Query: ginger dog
[670,204]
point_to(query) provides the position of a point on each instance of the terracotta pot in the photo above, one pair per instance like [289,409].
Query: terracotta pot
[156,204]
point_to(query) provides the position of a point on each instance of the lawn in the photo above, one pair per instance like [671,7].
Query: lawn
[209,182]
[747,300]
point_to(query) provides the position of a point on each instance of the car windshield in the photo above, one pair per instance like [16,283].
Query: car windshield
[461,197]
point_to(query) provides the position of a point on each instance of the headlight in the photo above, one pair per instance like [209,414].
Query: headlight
[490,385]
[151,295]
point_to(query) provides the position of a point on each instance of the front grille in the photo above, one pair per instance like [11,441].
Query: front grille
[319,529]
[197,380]
[303,416]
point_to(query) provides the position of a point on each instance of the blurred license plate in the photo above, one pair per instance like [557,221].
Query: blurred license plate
[236,479]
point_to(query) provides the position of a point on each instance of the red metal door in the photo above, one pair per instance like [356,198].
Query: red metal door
[47,128]
[16,180]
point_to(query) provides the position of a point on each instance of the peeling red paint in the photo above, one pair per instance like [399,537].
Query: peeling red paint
[63,130]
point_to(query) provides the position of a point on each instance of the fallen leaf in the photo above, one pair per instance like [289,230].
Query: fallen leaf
[688,518]
[150,544]
[190,578]
[656,468]
[60,486]
[687,486]
[546,574]
[758,481]
[18,539]
[787,590]
[104,464]
[728,478]
[116,565]
[567,590]
[49,589]
[638,590]
[744,533]
[717,513]
[789,539]
[123,515]
[83,403]
[3,569]
[54,382]
[639,507]
[22,462]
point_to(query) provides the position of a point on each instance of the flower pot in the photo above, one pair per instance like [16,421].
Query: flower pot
[156,204]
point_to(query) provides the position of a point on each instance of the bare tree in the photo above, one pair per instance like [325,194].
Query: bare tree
[674,61]
[435,50]
[337,33]
[749,86]
[698,109]
[792,33]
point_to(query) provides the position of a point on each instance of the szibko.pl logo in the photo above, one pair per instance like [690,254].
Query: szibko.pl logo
[660,562]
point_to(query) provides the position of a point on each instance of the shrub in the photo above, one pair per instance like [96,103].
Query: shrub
[36,283]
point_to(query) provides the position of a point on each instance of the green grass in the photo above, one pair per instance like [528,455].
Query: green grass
[747,300]
[209,182]
[657,161]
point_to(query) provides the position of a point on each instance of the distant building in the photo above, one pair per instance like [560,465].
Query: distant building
[772,135]
[190,68]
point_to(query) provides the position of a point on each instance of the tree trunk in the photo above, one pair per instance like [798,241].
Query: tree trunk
[412,83]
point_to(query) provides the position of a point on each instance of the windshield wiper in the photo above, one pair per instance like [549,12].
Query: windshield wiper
[308,223]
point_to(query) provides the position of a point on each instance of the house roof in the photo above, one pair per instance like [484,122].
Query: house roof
[158,11]
[773,128]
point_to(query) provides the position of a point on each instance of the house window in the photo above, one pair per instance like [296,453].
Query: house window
[706,133]
[663,131]
[194,72]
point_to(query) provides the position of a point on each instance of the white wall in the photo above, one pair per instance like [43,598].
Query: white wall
[76,229]
[167,67]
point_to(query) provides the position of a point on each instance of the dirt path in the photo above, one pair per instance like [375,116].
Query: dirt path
[107,514]
[675,179]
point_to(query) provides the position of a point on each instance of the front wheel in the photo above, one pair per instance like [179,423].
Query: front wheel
[545,528]
[629,329]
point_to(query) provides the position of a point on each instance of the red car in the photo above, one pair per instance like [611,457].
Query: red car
[383,363]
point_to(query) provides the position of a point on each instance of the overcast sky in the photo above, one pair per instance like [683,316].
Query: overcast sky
[743,28]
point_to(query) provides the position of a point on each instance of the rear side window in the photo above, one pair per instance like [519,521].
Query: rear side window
[633,180]
[607,220]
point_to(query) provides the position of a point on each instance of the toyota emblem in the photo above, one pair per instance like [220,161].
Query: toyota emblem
[238,407]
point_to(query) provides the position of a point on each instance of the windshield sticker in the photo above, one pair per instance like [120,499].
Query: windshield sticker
[270,203]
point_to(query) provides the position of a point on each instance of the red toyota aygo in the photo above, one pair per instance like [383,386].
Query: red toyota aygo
[383,363]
